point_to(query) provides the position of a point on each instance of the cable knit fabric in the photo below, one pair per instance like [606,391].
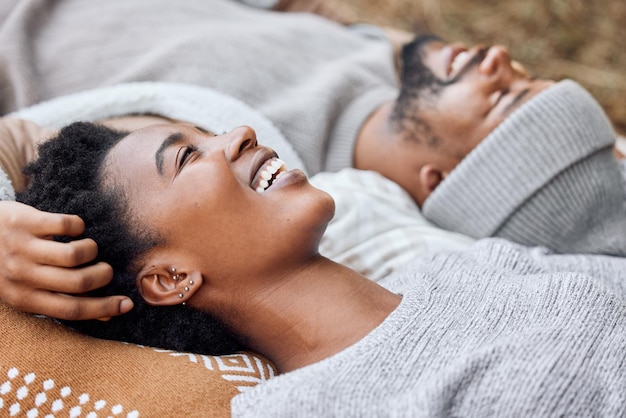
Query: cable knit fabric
[545,176]
[318,98]
[500,330]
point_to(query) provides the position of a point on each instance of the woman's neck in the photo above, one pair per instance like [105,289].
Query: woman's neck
[312,314]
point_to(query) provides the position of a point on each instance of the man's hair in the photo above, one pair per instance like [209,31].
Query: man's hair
[67,178]
[417,84]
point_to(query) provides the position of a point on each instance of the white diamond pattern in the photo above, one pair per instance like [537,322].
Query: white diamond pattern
[62,403]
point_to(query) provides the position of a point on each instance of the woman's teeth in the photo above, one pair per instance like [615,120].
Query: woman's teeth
[270,173]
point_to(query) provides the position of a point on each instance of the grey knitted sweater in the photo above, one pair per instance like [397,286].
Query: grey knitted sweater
[500,330]
[316,80]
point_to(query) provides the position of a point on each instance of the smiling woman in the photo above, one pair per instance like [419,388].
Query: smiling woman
[160,192]
[213,265]
[175,207]
[188,186]
[74,188]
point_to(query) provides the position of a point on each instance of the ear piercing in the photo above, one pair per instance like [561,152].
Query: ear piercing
[175,276]
[181,295]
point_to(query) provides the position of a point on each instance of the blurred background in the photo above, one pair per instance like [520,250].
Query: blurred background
[580,39]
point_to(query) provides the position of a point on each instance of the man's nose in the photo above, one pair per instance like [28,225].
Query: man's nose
[240,139]
[497,63]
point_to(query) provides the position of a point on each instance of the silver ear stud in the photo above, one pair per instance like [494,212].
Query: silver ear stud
[176,278]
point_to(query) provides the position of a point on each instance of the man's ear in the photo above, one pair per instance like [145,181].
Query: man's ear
[164,283]
[430,176]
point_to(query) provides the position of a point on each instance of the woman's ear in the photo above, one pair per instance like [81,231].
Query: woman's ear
[164,284]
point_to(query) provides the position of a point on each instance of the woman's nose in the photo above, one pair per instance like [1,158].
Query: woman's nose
[497,63]
[239,140]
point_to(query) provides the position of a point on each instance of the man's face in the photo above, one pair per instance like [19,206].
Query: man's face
[459,94]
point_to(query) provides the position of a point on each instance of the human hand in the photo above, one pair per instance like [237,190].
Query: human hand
[43,276]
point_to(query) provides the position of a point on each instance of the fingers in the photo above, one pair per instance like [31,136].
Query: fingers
[43,276]
[17,217]
[62,306]
[56,290]
[46,224]
[72,281]
[55,293]
[71,254]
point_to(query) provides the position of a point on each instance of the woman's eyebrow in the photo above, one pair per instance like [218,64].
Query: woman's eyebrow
[172,139]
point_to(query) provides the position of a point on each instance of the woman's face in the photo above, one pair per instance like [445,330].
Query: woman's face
[207,197]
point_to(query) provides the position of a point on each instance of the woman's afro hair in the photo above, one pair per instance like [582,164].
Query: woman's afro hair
[67,178]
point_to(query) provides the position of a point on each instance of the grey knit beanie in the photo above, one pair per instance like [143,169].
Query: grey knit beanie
[545,176]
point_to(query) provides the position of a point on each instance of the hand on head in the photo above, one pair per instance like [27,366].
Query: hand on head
[42,276]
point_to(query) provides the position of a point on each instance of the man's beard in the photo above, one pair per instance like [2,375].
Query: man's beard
[417,79]
[418,86]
